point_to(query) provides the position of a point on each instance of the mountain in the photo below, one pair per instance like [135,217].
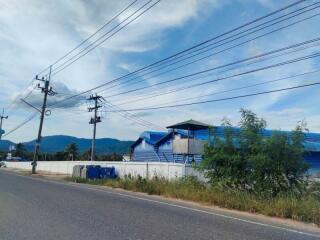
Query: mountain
[5,144]
[57,143]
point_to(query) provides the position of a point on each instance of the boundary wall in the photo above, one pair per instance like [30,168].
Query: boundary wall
[147,170]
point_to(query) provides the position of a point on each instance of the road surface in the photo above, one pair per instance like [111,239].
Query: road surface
[34,208]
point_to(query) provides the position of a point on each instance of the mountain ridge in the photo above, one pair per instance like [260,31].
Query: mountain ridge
[57,143]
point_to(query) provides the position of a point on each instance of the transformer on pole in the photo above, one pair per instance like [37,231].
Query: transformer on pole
[96,119]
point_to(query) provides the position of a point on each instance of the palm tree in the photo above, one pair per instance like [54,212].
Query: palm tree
[72,150]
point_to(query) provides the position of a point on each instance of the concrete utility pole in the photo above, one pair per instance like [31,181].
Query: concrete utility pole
[47,91]
[96,119]
[1,119]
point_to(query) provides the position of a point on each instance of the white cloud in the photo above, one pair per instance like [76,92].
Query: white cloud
[35,33]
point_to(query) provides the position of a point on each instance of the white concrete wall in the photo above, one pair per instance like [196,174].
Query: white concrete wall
[144,169]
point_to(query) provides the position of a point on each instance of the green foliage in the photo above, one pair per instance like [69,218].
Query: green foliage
[2,155]
[59,156]
[248,161]
[20,150]
[86,155]
[72,150]
[111,157]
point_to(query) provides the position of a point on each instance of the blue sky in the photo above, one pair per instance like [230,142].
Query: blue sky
[34,33]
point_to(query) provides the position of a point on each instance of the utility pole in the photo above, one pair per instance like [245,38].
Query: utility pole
[96,119]
[47,91]
[1,119]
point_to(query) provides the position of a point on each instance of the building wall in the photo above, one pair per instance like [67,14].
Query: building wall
[144,152]
[143,146]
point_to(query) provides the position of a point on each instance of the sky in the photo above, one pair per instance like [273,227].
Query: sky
[35,33]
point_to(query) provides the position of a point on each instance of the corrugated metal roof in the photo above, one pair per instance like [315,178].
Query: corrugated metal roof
[170,134]
[311,141]
[190,125]
[152,137]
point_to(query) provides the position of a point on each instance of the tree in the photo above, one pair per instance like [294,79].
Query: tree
[59,156]
[86,156]
[222,162]
[20,150]
[72,150]
[246,160]
[111,157]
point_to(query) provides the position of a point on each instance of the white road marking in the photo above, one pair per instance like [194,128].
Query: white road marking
[79,185]
[201,211]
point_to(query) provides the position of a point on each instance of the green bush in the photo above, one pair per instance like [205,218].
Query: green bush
[248,161]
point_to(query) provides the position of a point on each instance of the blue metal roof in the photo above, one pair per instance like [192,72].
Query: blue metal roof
[311,141]
[170,134]
[152,137]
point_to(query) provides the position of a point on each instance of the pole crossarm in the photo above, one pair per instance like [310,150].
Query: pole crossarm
[94,120]
[46,90]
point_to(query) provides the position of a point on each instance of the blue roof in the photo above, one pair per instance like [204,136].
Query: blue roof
[152,137]
[311,141]
[170,134]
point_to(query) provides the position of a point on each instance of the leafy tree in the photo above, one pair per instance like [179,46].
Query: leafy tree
[246,160]
[20,150]
[72,150]
[86,155]
[111,157]
[2,155]
[222,161]
[60,156]
[251,128]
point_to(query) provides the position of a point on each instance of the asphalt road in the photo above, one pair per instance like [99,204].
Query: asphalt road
[33,208]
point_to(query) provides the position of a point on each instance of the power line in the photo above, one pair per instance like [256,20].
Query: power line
[229,69]
[75,48]
[221,99]
[28,119]
[96,119]
[73,60]
[216,37]
[202,43]
[91,36]
[221,78]
[129,116]
[282,9]
[243,87]
[237,34]
[133,118]
[226,33]
[47,91]
[213,47]
[31,117]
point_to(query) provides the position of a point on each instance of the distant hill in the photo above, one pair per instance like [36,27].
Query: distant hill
[57,143]
[4,145]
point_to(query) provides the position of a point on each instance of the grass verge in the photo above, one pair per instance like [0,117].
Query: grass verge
[304,208]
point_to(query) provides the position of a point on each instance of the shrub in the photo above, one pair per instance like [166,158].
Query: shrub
[248,161]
